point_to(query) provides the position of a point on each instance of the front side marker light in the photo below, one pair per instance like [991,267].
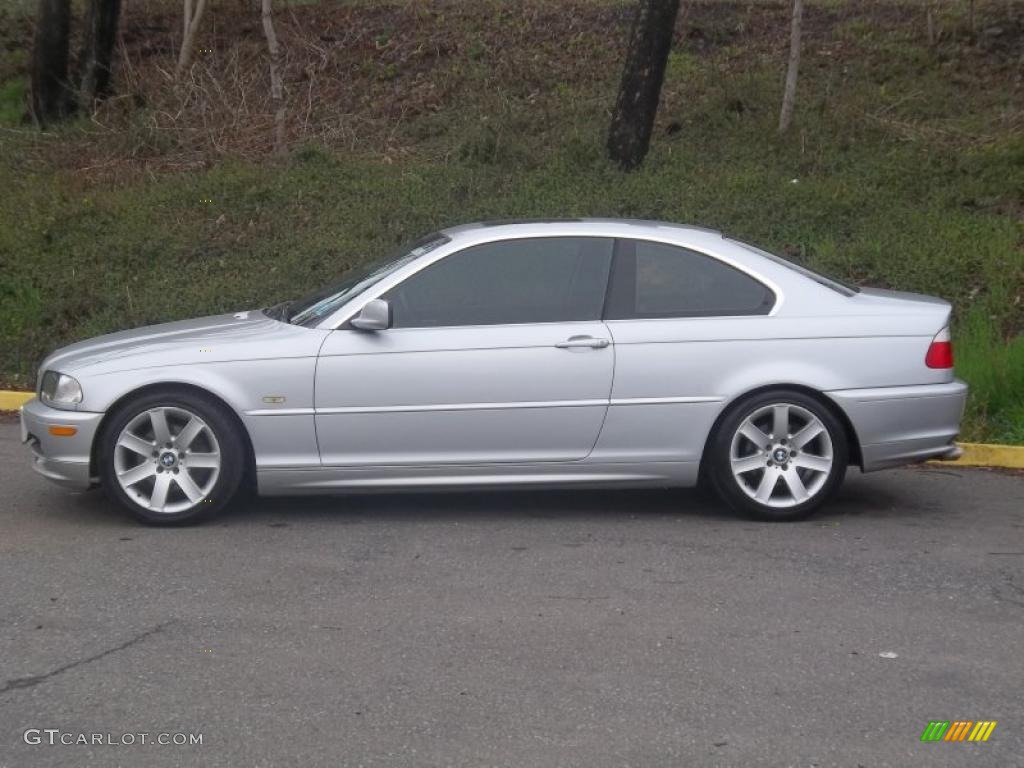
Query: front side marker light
[61,431]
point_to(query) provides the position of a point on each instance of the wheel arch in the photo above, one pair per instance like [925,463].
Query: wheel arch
[852,440]
[249,474]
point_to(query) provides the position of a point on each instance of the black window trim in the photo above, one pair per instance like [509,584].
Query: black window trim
[622,283]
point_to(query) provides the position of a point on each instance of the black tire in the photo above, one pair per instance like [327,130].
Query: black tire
[783,503]
[231,446]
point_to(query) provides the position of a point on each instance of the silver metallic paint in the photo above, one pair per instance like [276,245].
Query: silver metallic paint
[64,460]
[505,405]
[461,395]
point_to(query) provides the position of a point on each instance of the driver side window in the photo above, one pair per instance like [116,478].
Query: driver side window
[530,280]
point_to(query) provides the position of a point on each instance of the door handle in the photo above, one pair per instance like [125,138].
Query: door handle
[575,342]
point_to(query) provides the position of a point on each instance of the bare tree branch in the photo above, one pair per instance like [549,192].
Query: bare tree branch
[193,18]
[789,94]
[276,87]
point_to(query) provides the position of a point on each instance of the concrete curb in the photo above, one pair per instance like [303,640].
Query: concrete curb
[12,401]
[975,454]
[989,455]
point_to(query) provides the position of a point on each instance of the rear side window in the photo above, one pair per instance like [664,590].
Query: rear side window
[530,280]
[653,280]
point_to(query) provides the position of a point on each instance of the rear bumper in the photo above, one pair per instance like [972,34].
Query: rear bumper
[62,460]
[903,425]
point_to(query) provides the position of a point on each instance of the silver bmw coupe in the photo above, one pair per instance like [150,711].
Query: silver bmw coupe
[549,353]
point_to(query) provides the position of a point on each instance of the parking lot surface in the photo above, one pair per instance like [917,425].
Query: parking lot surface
[587,628]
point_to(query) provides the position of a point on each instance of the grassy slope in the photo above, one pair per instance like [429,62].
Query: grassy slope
[906,169]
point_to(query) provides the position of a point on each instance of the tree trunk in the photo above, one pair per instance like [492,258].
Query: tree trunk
[50,95]
[633,118]
[193,18]
[276,88]
[97,50]
[789,94]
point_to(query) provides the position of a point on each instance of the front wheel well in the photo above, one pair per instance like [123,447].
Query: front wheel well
[851,434]
[126,399]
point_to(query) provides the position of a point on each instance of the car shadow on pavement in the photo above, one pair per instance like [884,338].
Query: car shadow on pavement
[473,504]
[858,496]
[94,508]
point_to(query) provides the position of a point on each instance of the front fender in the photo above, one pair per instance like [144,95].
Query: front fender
[272,398]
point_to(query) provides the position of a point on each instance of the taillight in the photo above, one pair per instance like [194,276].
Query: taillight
[940,352]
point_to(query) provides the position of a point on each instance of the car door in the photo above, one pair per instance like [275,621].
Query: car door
[496,353]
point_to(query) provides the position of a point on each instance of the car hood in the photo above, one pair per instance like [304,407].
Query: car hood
[239,336]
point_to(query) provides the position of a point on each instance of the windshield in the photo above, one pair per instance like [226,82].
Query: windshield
[838,286]
[311,309]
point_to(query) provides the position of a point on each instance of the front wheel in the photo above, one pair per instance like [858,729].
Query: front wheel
[171,457]
[778,455]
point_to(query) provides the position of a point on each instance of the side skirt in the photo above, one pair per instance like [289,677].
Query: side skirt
[290,481]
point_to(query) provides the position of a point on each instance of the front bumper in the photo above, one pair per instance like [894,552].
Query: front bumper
[64,460]
[903,425]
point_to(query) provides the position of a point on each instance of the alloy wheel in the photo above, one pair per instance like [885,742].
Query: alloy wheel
[781,455]
[167,459]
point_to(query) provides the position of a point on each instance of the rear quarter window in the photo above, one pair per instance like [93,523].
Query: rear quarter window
[655,280]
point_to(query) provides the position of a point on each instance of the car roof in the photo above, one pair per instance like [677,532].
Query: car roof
[599,226]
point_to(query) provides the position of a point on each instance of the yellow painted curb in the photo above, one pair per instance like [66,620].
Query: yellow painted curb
[990,455]
[12,401]
[975,454]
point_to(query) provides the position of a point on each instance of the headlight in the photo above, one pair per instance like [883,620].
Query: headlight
[60,390]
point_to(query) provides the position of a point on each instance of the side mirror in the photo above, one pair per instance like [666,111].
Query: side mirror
[375,316]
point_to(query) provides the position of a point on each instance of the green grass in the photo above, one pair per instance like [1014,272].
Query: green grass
[895,175]
[995,370]
[12,102]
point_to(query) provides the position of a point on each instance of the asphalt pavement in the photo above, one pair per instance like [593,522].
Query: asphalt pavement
[514,629]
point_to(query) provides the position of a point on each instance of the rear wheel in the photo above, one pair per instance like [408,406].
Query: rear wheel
[778,455]
[171,457]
